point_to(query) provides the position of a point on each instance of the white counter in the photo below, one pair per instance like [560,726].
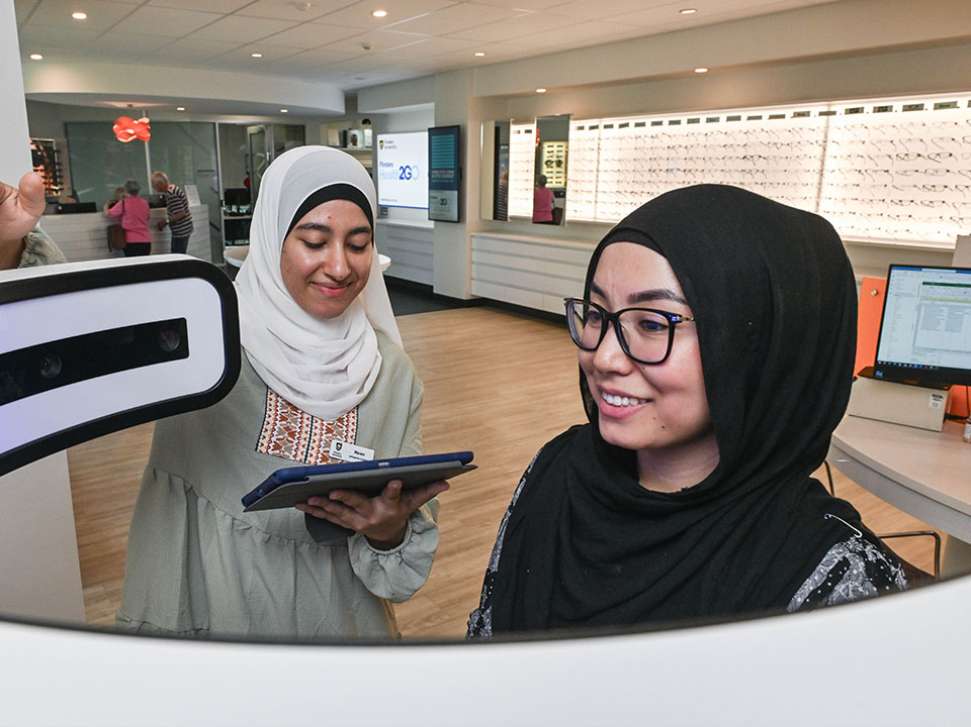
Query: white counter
[534,272]
[410,244]
[85,236]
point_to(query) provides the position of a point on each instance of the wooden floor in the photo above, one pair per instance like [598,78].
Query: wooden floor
[495,382]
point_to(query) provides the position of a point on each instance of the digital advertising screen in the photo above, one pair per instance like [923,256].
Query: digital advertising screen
[402,170]
[444,173]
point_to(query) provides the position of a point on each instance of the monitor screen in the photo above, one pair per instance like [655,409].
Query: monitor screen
[925,333]
[402,162]
[236,196]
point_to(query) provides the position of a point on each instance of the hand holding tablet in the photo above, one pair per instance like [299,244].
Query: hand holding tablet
[373,498]
[291,486]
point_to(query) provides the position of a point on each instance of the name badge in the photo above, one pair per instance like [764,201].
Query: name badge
[345,452]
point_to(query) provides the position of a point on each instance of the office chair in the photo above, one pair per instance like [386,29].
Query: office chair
[870,311]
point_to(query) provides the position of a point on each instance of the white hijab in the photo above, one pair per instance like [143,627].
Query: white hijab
[325,367]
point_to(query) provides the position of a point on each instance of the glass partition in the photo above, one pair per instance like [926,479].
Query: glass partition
[186,152]
[100,163]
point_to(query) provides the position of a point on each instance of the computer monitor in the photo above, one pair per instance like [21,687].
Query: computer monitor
[76,208]
[236,197]
[925,332]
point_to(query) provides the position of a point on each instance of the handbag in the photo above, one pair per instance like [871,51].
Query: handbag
[116,233]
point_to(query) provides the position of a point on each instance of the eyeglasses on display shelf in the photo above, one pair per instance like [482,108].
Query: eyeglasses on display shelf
[522,146]
[862,165]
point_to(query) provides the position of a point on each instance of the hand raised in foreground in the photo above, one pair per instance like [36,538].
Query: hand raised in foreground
[382,519]
[21,208]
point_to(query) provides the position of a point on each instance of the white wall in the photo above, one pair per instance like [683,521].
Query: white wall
[14,146]
[112,80]
[39,572]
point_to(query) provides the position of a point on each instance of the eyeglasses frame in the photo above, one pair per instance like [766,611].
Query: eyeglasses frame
[614,318]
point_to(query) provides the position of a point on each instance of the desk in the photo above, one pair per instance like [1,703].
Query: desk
[85,237]
[926,474]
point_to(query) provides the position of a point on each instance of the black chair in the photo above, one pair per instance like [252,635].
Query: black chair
[915,576]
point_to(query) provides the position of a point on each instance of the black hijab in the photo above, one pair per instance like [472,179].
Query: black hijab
[775,302]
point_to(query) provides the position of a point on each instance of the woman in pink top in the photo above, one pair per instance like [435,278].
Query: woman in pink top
[542,202]
[133,213]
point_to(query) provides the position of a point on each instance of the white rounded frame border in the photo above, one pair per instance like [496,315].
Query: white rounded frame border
[897,660]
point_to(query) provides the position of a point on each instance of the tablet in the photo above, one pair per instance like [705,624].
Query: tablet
[293,485]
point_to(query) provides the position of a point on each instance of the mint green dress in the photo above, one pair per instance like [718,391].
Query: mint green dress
[198,565]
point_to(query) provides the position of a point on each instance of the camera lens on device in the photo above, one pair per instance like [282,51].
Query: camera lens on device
[51,366]
[169,340]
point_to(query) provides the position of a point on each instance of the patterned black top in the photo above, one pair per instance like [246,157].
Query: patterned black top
[851,570]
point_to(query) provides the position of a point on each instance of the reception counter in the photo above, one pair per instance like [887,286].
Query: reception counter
[85,236]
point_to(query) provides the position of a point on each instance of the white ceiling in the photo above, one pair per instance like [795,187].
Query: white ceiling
[340,42]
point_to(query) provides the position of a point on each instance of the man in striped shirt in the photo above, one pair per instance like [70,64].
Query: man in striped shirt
[177,209]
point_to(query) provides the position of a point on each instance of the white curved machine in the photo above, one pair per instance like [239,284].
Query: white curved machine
[898,660]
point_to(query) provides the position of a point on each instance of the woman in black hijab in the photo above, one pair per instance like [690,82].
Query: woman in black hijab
[688,495]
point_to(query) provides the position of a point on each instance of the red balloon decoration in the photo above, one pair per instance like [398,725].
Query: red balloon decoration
[128,129]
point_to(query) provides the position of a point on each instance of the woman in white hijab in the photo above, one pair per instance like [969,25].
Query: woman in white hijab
[323,364]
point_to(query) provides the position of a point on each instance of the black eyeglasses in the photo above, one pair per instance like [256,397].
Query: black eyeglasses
[645,334]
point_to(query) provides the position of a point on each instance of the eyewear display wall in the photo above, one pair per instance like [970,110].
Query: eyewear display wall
[890,169]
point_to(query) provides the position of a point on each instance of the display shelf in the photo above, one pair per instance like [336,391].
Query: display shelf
[889,170]
[553,162]
[522,161]
[45,160]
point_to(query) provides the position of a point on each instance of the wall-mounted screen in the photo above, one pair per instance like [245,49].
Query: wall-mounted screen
[403,170]
[445,173]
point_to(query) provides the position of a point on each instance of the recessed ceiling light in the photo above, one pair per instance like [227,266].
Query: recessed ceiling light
[688,11]
[701,69]
[180,108]
[284,111]
[540,90]
[79,16]
[255,55]
[479,54]
[36,57]
[380,13]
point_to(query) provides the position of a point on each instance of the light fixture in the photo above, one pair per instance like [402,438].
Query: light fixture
[79,16]
[479,54]
[36,57]
[540,90]
[688,11]
[284,111]
[380,13]
[180,108]
[255,55]
[701,69]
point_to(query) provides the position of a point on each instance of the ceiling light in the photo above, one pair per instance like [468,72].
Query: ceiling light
[701,69]
[180,108]
[79,16]
[284,111]
[36,57]
[540,90]
[688,11]
[380,13]
[479,54]
[255,55]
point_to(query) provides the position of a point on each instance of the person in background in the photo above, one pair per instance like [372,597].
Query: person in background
[177,210]
[134,213]
[22,242]
[542,202]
